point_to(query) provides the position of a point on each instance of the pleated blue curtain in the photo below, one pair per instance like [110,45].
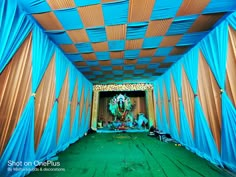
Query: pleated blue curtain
[155,100]
[190,60]
[46,150]
[88,112]
[203,139]
[85,108]
[62,65]
[216,56]
[82,127]
[164,118]
[232,20]
[61,69]
[72,80]
[89,106]
[14,28]
[80,87]
[16,149]
[86,118]
[185,132]
[42,51]
[64,138]
[173,127]
[159,123]
[74,133]
[228,133]
[83,122]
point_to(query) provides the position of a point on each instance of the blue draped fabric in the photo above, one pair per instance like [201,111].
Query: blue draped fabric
[216,58]
[16,149]
[185,132]
[159,123]
[64,14]
[190,60]
[204,140]
[42,51]
[173,128]
[228,147]
[97,34]
[116,12]
[82,123]
[14,28]
[64,138]
[232,20]
[46,150]
[136,30]
[80,81]
[72,80]
[35,6]
[165,9]
[164,122]
[75,128]
[89,106]
[61,69]
[156,105]
[220,6]
[216,54]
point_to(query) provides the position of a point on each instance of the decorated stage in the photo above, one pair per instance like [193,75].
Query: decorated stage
[122,115]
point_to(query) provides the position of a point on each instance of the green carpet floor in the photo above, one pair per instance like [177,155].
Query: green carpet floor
[128,154]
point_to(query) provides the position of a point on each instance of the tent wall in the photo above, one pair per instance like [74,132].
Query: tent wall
[196,98]
[45,102]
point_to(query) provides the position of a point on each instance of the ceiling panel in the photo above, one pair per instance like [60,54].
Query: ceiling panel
[118,41]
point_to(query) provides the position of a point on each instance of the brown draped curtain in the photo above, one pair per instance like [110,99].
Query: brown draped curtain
[73,107]
[175,103]
[231,67]
[63,101]
[103,110]
[209,95]
[15,90]
[188,100]
[44,100]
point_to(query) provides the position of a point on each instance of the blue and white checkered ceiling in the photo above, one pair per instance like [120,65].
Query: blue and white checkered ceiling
[120,41]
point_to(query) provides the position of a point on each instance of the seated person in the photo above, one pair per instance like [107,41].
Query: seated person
[142,120]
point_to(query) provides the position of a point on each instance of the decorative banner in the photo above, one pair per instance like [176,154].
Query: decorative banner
[123,87]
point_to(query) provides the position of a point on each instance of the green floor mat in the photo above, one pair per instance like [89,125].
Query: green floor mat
[128,154]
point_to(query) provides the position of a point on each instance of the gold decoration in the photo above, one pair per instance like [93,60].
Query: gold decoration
[95,110]
[123,87]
